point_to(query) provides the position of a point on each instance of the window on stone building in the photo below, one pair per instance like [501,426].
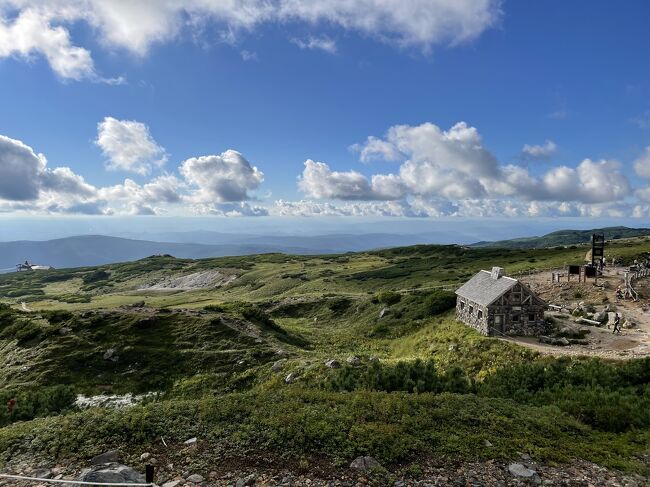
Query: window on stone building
[515,318]
[531,317]
[480,314]
[462,305]
[471,309]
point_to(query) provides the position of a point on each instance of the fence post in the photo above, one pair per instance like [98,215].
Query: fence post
[149,474]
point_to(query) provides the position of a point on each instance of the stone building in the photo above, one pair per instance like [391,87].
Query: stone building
[497,305]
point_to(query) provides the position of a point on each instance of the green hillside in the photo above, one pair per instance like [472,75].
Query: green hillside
[566,237]
[241,363]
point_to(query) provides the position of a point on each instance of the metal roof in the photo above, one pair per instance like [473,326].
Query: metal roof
[484,290]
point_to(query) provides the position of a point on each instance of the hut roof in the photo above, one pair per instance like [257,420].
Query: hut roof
[484,288]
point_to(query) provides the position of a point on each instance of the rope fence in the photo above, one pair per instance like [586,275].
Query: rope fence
[72,482]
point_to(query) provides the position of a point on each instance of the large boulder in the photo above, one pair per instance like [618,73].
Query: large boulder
[112,456]
[354,360]
[333,364]
[112,473]
[364,464]
[523,473]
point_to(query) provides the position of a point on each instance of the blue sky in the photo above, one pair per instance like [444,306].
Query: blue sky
[553,99]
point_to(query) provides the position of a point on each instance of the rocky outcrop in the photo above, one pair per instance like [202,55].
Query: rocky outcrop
[112,473]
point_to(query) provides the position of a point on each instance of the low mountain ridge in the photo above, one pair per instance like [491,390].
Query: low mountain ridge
[565,237]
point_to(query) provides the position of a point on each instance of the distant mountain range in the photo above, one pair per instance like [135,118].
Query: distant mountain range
[566,237]
[90,250]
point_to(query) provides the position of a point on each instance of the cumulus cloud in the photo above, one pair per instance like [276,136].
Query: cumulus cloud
[539,152]
[454,165]
[316,43]
[319,181]
[377,149]
[20,168]
[221,178]
[642,164]
[28,27]
[129,146]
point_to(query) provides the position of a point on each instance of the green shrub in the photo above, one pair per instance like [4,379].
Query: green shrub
[32,404]
[439,301]
[389,297]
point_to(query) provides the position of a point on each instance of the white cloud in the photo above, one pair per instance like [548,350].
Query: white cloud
[539,152]
[31,32]
[454,165]
[249,55]
[642,164]
[129,146]
[221,178]
[316,43]
[42,26]
[319,181]
[20,170]
[377,149]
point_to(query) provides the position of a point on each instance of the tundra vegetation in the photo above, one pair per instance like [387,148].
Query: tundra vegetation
[243,366]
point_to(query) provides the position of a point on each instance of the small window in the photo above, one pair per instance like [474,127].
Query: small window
[480,314]
[462,305]
[516,297]
[515,318]
[471,309]
[531,317]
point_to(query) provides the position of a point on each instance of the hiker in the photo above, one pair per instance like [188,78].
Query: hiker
[617,324]
[619,293]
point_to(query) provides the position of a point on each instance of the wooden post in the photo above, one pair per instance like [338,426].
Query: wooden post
[149,474]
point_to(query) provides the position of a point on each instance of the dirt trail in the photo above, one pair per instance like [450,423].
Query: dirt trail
[633,342]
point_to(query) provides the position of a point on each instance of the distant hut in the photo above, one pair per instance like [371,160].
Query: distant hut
[495,304]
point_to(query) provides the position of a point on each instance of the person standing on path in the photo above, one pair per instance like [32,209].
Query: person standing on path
[617,324]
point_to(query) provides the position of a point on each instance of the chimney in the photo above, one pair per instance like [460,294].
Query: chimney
[497,272]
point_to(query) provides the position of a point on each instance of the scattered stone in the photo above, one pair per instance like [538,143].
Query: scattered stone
[291,378]
[111,473]
[333,364]
[42,473]
[488,444]
[111,354]
[191,441]
[383,312]
[113,456]
[278,365]
[364,464]
[195,478]
[65,331]
[145,456]
[171,483]
[525,457]
[246,481]
[24,369]
[520,471]
[353,360]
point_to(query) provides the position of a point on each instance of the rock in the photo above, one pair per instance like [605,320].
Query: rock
[24,369]
[145,456]
[524,473]
[112,473]
[383,312]
[487,443]
[112,456]
[291,378]
[42,473]
[171,483]
[191,441]
[246,481]
[111,355]
[353,360]
[333,364]
[195,478]
[65,331]
[562,342]
[364,464]
[278,365]
[525,457]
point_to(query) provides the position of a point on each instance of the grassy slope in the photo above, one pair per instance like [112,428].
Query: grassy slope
[321,307]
